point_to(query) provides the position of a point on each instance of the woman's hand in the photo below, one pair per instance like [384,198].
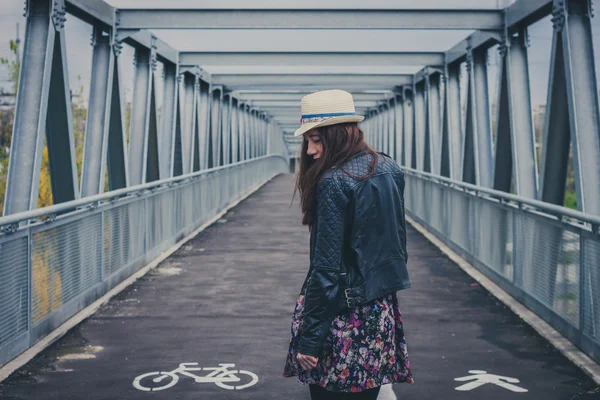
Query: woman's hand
[307,362]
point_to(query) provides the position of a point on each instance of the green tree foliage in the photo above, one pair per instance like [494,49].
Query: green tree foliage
[13,64]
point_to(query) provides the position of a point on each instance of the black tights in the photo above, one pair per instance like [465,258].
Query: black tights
[318,393]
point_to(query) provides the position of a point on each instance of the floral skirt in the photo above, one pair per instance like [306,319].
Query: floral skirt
[365,348]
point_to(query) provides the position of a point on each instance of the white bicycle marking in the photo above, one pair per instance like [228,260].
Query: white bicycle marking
[219,376]
[480,378]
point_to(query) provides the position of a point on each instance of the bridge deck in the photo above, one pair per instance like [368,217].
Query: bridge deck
[227,297]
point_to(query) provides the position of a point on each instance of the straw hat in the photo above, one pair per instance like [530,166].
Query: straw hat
[328,107]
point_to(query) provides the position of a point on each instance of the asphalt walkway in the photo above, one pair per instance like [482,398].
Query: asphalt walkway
[226,297]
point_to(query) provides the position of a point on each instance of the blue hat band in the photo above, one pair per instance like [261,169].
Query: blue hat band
[309,118]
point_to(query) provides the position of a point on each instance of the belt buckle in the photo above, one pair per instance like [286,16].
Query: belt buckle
[347,297]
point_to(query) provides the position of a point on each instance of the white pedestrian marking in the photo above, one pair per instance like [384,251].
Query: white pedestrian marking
[480,378]
[219,376]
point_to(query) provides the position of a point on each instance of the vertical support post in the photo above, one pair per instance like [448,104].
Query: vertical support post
[96,132]
[479,118]
[242,131]
[434,82]
[399,130]
[118,175]
[582,96]
[515,150]
[140,116]
[177,134]
[169,113]
[215,136]
[235,130]
[226,123]
[189,117]
[451,142]
[409,130]
[152,158]
[391,138]
[43,76]
[421,141]
[203,112]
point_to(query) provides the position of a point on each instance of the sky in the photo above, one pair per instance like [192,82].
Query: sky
[79,50]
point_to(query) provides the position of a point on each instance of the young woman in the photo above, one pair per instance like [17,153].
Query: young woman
[347,332]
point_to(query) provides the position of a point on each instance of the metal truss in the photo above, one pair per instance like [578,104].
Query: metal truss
[212,119]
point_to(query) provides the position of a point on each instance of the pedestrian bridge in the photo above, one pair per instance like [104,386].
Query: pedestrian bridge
[192,253]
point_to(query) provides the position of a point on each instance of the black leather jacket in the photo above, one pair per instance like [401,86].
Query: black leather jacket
[357,244]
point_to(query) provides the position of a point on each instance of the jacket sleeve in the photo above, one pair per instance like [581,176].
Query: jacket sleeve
[323,289]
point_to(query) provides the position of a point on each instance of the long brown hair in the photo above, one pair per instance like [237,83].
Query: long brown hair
[340,143]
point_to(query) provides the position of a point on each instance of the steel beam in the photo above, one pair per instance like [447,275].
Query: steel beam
[399,130]
[177,135]
[43,77]
[476,40]
[285,97]
[515,137]
[203,111]
[215,126]
[522,13]
[203,18]
[235,130]
[238,82]
[96,127]
[97,12]
[118,167]
[311,89]
[409,131]
[478,168]
[152,157]
[226,130]
[189,121]
[311,58]
[167,131]
[451,142]
[391,137]
[421,143]
[296,104]
[572,82]
[434,83]
[140,116]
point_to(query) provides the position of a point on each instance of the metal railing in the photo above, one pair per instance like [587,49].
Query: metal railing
[546,256]
[57,260]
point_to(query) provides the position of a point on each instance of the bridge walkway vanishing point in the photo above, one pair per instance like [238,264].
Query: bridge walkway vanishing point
[227,296]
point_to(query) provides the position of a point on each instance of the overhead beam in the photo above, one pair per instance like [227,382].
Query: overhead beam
[311,58]
[474,41]
[526,12]
[100,13]
[296,104]
[271,96]
[329,79]
[197,18]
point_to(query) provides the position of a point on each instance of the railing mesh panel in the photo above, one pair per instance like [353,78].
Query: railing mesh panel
[552,265]
[66,261]
[77,258]
[14,290]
